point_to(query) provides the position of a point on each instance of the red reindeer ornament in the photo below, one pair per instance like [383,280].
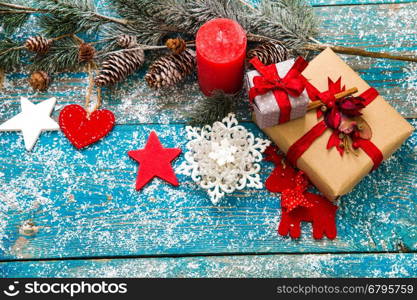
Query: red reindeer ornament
[283,176]
[321,214]
[297,205]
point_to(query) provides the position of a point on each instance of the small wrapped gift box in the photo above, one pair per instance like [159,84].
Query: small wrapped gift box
[341,142]
[277,92]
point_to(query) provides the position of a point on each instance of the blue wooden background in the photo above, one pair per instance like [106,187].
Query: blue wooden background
[65,212]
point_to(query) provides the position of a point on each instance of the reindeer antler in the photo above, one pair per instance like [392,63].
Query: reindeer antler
[271,154]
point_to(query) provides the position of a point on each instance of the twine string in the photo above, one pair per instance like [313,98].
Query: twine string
[90,91]
[98,103]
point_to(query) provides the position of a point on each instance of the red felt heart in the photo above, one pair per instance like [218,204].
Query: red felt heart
[82,129]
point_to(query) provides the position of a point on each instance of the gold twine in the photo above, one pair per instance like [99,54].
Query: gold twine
[2,76]
[90,91]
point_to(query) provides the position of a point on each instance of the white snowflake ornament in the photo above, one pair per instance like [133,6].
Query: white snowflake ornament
[222,152]
[223,158]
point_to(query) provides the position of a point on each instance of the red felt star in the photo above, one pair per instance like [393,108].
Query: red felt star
[155,161]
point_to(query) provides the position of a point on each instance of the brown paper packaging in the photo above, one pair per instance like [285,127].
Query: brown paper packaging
[332,174]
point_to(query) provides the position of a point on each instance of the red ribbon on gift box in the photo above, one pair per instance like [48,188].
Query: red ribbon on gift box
[332,120]
[293,84]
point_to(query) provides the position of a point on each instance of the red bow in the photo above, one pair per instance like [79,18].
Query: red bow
[333,119]
[292,84]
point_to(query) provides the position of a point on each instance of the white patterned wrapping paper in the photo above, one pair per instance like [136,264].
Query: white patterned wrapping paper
[266,109]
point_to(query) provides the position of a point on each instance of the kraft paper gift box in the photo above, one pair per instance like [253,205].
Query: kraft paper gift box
[266,109]
[335,175]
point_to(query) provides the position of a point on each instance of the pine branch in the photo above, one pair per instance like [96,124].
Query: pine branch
[12,18]
[62,56]
[284,11]
[19,5]
[64,3]
[69,16]
[212,109]
[58,16]
[291,22]
[189,16]
[141,29]
[143,22]
[10,55]
[105,46]
[360,52]
[152,21]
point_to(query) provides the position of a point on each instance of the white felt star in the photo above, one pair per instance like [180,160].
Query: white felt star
[33,119]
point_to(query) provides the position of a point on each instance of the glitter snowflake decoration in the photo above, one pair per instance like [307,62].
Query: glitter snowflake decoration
[223,158]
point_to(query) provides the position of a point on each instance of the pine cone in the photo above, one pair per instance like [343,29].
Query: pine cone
[38,44]
[270,53]
[177,45]
[86,52]
[127,41]
[118,66]
[170,69]
[39,80]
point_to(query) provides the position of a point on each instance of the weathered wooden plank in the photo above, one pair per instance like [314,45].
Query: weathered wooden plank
[355,2]
[83,203]
[309,265]
[373,27]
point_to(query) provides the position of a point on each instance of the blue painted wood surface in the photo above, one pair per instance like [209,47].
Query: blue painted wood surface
[84,204]
[61,203]
[355,2]
[306,265]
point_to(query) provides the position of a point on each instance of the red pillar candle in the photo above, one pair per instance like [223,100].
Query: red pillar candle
[221,53]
